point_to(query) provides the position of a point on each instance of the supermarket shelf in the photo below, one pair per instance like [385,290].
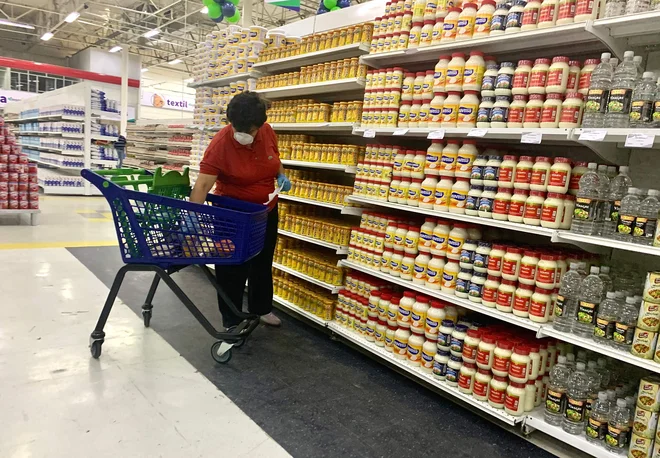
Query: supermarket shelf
[106,115]
[547,135]
[568,237]
[320,165]
[345,210]
[42,133]
[316,128]
[417,373]
[339,249]
[465,303]
[34,214]
[106,138]
[48,117]
[294,308]
[622,355]
[63,190]
[324,87]
[630,25]
[40,148]
[332,288]
[536,230]
[534,421]
[57,166]
[225,80]
[310,58]
[103,162]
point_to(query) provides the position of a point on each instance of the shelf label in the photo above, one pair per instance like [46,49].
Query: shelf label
[477,132]
[369,133]
[593,135]
[400,131]
[639,140]
[531,137]
[436,134]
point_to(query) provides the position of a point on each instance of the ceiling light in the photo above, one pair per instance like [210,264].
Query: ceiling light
[204,10]
[152,33]
[144,70]
[72,17]
[16,24]
[175,61]
[47,36]
[115,49]
[189,80]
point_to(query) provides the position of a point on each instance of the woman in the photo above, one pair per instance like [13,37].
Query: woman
[243,161]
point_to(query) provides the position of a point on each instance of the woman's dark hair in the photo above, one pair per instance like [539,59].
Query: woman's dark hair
[246,111]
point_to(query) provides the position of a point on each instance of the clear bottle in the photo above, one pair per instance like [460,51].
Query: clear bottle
[598,418]
[586,202]
[594,385]
[618,427]
[618,187]
[599,89]
[643,97]
[603,194]
[647,220]
[576,401]
[606,320]
[656,107]
[590,295]
[555,401]
[624,329]
[627,215]
[566,304]
[615,8]
[604,275]
[623,83]
[637,6]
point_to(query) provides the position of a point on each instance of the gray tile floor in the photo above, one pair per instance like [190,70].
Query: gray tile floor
[315,396]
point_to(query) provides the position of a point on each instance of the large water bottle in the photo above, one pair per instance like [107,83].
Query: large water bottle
[618,187]
[599,90]
[555,400]
[624,329]
[627,215]
[623,83]
[637,60]
[590,295]
[597,423]
[604,275]
[594,385]
[603,199]
[641,109]
[618,427]
[566,303]
[615,8]
[647,220]
[576,401]
[586,202]
[606,319]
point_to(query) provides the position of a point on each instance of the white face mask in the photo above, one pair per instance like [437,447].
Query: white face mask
[243,138]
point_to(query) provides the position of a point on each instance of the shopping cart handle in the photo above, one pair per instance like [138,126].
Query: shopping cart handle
[123,172]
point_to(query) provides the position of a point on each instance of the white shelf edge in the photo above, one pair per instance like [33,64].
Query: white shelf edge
[547,134]
[318,128]
[339,249]
[319,165]
[423,376]
[334,289]
[58,166]
[310,316]
[567,237]
[326,55]
[311,202]
[225,79]
[323,87]
[11,211]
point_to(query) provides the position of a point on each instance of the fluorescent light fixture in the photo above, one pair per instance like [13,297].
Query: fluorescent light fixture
[72,17]
[151,33]
[204,10]
[175,61]
[144,70]
[189,80]
[115,49]
[16,24]
[47,36]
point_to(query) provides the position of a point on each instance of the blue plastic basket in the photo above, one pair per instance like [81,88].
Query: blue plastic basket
[160,230]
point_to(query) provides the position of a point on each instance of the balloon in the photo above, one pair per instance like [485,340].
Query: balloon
[343,3]
[228,9]
[220,2]
[215,11]
[235,18]
[336,8]
[208,2]
[218,20]
[235,2]
[329,4]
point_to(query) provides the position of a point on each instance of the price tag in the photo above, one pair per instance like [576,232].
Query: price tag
[477,132]
[369,133]
[639,140]
[593,135]
[436,134]
[400,131]
[531,137]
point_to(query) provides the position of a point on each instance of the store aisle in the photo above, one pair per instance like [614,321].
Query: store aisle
[142,398]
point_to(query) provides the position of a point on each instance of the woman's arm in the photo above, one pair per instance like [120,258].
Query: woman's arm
[202,187]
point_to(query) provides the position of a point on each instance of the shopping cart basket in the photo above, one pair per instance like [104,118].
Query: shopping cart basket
[163,235]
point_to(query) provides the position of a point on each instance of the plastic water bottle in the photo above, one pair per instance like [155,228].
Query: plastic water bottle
[611,172]
[576,401]
[618,187]
[555,401]
[603,198]
[624,329]
[599,90]
[586,202]
[606,320]
[594,385]
[648,217]
[566,303]
[641,108]
[597,423]
[570,361]
[604,275]
[637,60]
[590,295]
[618,426]
[615,8]
[627,215]
[637,6]
[623,83]
[605,373]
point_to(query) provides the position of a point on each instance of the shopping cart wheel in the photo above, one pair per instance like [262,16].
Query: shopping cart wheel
[146,316]
[95,348]
[240,342]
[220,352]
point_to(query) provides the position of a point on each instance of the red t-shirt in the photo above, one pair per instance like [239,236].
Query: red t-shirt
[244,172]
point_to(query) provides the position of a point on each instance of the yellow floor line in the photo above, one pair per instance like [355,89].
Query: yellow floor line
[32,245]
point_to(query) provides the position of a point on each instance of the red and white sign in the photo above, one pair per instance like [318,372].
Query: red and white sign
[181,103]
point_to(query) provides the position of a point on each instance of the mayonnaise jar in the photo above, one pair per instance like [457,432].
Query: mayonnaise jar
[558,75]
[481,384]
[560,175]
[466,19]
[552,211]
[517,205]
[519,364]
[483,18]
[521,77]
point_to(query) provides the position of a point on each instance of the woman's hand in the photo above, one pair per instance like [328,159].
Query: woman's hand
[283,182]
[202,187]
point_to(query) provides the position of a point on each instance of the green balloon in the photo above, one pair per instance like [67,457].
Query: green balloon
[336,8]
[215,10]
[208,3]
[330,4]
[235,2]
[235,18]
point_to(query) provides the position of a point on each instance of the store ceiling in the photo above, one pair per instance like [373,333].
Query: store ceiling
[108,23]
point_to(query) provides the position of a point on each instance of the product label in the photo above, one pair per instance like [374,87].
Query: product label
[499,114]
[555,402]
[504,299]
[480,260]
[656,111]
[473,75]
[521,303]
[566,9]
[585,209]
[483,357]
[619,101]
[449,30]
[641,111]
[486,204]
[538,78]
[400,347]
[475,289]
[523,175]
[488,82]
[584,81]
[490,172]
[586,312]
[538,176]
[555,76]
[546,276]
[469,352]
[439,242]
[471,203]
[623,334]
[626,224]
[547,13]
[532,211]
[558,178]
[596,101]
[604,328]
[538,308]
[465,381]
[575,410]
[644,227]
[427,195]
[413,353]
[457,199]
[549,113]
[495,263]
[530,16]
[467,113]
[450,113]
[570,114]
[431,326]
[516,114]
[549,213]
[482,23]
[444,339]
[532,114]
[512,402]
[439,369]
[477,172]
[502,364]
[452,375]
[441,197]
[521,79]
[498,23]
[488,294]
[501,206]
[462,285]
[527,271]
[496,396]
[584,7]
[503,81]
[448,280]
[479,388]
[616,437]
[427,360]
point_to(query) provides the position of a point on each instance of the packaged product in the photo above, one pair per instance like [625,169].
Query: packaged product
[645,422]
[652,287]
[649,316]
[640,447]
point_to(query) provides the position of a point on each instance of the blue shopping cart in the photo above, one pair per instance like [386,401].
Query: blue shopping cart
[161,233]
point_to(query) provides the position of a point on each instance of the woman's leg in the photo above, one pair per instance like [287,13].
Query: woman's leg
[260,279]
[232,280]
